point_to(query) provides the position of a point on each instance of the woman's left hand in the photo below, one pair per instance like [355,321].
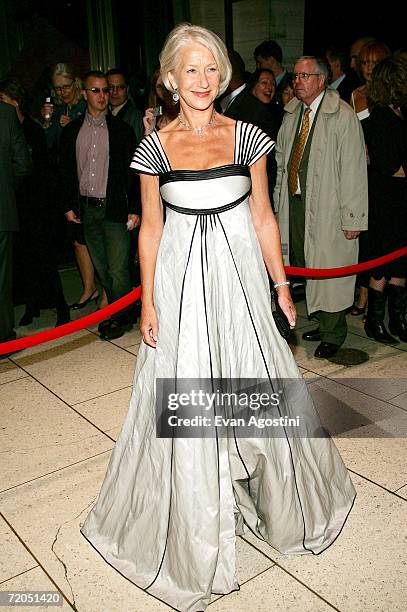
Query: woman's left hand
[287,306]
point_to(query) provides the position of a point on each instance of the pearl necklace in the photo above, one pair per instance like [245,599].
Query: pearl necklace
[199,131]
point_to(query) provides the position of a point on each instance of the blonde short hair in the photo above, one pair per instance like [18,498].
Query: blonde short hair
[68,72]
[184,34]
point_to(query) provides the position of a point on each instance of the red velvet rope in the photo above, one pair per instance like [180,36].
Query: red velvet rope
[72,326]
[346,270]
[104,313]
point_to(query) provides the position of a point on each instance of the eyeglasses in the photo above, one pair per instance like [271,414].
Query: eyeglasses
[97,90]
[63,87]
[113,87]
[304,76]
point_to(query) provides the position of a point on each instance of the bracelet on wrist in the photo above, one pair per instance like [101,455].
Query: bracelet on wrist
[281,284]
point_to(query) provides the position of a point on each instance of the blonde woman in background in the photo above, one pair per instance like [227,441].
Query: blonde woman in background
[370,54]
[68,104]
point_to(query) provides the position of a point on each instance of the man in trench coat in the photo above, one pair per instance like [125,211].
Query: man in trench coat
[321,195]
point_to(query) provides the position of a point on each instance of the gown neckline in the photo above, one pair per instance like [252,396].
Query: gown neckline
[196,169]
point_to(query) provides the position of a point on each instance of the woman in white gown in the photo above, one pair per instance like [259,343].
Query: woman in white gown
[170,507]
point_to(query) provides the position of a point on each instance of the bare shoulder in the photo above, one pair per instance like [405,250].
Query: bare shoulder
[169,130]
[225,121]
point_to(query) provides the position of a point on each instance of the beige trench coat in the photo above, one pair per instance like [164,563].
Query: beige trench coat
[336,197]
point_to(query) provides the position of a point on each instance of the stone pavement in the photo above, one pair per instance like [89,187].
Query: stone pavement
[62,405]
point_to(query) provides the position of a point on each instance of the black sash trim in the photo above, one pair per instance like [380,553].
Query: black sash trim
[207,211]
[199,175]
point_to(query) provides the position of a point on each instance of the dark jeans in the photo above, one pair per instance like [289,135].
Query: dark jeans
[6,286]
[332,325]
[109,247]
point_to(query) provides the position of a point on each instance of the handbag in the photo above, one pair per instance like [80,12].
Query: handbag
[279,317]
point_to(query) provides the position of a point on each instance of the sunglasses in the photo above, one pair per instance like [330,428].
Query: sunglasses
[96,90]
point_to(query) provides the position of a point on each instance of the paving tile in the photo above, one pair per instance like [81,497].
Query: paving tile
[9,371]
[72,491]
[303,352]
[272,590]
[364,430]
[62,502]
[402,491]
[33,580]
[400,400]
[348,412]
[79,367]
[14,558]
[383,461]
[364,569]
[389,370]
[134,349]
[129,339]
[249,561]
[40,433]
[108,411]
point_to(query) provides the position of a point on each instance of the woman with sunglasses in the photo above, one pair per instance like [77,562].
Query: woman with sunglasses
[69,104]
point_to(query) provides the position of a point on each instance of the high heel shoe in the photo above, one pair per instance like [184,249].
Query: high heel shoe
[80,305]
[357,310]
[29,315]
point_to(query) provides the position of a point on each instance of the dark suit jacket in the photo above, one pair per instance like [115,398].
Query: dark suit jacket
[15,162]
[246,107]
[346,87]
[131,115]
[122,183]
[286,80]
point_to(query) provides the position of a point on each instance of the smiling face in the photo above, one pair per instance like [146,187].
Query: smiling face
[265,87]
[308,89]
[196,77]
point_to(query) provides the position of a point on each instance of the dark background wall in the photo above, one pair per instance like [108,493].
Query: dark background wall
[342,21]
[36,33]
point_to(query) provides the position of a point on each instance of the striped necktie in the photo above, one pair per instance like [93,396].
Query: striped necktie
[299,150]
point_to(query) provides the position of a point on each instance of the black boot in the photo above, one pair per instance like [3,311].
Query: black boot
[28,316]
[397,311]
[63,315]
[374,326]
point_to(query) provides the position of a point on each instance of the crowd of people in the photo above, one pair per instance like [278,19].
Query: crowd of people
[83,141]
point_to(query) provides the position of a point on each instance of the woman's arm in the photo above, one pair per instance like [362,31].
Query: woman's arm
[268,234]
[149,240]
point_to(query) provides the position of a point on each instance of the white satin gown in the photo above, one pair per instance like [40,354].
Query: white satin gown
[169,508]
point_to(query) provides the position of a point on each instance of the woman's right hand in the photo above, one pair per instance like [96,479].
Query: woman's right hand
[47,109]
[149,121]
[149,325]
[70,216]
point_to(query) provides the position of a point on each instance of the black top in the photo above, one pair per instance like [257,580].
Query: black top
[247,108]
[386,140]
[15,162]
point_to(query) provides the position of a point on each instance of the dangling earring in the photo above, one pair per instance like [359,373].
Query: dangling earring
[175,96]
